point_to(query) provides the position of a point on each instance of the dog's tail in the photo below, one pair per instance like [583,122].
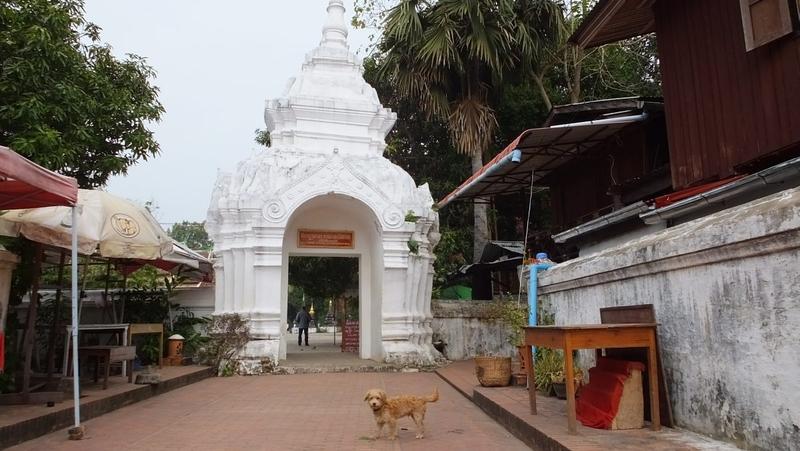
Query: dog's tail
[434,397]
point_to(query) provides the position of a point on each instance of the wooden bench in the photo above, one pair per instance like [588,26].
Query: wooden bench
[109,355]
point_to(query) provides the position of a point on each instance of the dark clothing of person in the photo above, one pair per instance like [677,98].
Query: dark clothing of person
[300,333]
[303,319]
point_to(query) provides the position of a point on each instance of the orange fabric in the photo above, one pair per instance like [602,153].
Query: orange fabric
[599,400]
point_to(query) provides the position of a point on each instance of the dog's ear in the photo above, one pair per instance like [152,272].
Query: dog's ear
[383,396]
[366,396]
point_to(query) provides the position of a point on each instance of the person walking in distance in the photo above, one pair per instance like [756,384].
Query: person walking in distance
[303,319]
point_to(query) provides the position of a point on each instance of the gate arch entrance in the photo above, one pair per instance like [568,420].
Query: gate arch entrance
[337,213]
[324,171]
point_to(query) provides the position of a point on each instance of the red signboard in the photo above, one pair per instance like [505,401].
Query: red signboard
[331,239]
[350,336]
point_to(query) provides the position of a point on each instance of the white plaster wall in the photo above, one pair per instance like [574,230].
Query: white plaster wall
[199,300]
[726,291]
[591,248]
[340,213]
[468,330]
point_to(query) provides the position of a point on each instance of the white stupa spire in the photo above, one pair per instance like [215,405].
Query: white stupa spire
[329,105]
[334,33]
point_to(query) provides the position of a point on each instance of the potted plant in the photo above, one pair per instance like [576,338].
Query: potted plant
[493,370]
[515,316]
[559,383]
[548,363]
[150,350]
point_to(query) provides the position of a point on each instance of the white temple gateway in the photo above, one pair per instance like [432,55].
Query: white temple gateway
[325,176]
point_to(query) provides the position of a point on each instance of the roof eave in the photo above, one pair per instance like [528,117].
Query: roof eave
[592,31]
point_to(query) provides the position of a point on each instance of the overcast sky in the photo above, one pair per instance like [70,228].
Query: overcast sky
[217,63]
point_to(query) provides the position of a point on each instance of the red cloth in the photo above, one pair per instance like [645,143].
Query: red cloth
[599,401]
[2,351]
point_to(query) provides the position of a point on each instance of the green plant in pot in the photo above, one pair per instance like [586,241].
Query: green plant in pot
[150,350]
[549,374]
[559,383]
[493,370]
[515,317]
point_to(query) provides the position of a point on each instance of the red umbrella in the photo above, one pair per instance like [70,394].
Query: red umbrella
[25,184]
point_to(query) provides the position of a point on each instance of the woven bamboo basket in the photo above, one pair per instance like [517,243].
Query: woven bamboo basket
[493,371]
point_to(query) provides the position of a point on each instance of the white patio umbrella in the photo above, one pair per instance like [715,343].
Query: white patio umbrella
[107,225]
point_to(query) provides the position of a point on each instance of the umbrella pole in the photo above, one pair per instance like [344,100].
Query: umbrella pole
[76,386]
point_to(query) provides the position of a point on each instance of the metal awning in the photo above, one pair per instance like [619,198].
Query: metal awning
[536,153]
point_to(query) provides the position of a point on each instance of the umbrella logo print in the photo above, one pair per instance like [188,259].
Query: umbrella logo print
[125,225]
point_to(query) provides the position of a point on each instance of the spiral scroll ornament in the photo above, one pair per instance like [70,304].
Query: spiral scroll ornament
[274,211]
[393,217]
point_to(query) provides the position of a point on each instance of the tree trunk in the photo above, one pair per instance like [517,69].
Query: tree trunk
[545,96]
[481,229]
[575,89]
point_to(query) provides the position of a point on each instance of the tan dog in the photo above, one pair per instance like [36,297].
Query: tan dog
[389,410]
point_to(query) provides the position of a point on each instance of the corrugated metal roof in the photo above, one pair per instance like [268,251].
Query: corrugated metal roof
[543,151]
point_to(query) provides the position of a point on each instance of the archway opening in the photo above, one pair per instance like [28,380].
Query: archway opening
[328,288]
[339,227]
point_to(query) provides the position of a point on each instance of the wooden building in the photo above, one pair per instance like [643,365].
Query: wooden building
[629,166]
[730,78]
[728,131]
[596,158]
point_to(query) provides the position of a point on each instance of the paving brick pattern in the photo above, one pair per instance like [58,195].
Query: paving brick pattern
[298,412]
[24,422]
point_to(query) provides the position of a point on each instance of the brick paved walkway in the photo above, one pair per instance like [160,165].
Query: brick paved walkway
[548,429]
[300,412]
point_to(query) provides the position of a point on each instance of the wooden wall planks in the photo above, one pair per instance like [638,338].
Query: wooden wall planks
[725,106]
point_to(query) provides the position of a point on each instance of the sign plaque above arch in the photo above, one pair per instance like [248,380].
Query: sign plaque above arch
[327,239]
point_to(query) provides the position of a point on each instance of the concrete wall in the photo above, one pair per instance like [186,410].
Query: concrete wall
[466,326]
[199,300]
[469,330]
[608,243]
[726,290]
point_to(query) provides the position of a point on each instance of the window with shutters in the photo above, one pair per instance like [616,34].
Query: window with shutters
[765,21]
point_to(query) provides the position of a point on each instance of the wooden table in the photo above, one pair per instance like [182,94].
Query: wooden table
[594,336]
[109,355]
[120,330]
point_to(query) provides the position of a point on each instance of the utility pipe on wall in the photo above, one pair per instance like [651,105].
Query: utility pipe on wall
[542,263]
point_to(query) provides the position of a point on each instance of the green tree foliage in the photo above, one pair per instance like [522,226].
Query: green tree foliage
[452,58]
[322,278]
[263,137]
[423,148]
[65,101]
[521,63]
[318,280]
[193,234]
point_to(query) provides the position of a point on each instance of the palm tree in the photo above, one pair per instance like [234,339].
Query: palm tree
[451,57]
[448,57]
